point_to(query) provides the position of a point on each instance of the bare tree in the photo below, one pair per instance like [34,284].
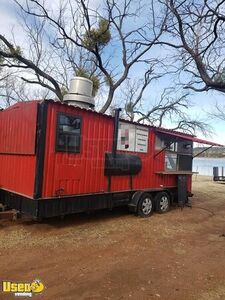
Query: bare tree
[13,89]
[104,44]
[170,107]
[92,31]
[15,59]
[133,93]
[196,30]
[218,112]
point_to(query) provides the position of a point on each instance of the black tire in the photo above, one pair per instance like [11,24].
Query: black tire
[162,202]
[145,205]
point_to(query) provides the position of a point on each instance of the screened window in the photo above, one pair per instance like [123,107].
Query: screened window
[171,146]
[68,133]
[159,143]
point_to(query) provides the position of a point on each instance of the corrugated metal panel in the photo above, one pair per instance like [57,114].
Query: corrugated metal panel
[150,165]
[17,147]
[17,173]
[68,173]
[18,128]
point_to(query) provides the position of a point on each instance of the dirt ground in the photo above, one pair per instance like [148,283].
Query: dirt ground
[116,255]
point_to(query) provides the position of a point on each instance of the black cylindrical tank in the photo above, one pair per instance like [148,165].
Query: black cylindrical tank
[122,164]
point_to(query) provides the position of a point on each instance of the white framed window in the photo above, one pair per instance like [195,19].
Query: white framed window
[170,161]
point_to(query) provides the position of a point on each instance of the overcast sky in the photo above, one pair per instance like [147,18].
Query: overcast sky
[203,102]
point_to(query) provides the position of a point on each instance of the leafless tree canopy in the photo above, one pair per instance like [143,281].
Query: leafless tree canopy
[218,112]
[196,29]
[117,45]
[96,34]
[170,106]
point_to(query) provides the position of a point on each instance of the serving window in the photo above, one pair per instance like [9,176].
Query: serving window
[178,153]
[68,133]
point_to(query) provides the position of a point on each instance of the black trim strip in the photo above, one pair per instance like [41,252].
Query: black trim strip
[203,151]
[109,184]
[45,208]
[116,130]
[40,148]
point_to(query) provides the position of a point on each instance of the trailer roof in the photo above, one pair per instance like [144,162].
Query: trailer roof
[161,130]
[186,137]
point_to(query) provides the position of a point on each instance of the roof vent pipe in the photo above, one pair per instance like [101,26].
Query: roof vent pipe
[80,93]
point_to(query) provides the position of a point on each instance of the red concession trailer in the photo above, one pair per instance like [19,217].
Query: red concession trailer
[58,159]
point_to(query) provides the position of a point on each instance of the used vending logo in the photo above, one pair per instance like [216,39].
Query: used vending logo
[23,289]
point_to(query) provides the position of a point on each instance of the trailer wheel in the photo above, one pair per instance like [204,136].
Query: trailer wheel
[162,202]
[145,205]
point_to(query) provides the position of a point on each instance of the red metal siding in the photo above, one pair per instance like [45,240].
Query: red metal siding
[82,173]
[150,165]
[18,173]
[17,148]
[79,173]
[18,128]
[147,178]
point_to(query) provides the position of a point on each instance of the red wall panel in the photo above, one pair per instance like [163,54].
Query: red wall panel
[78,173]
[17,147]
[83,173]
[18,128]
[17,173]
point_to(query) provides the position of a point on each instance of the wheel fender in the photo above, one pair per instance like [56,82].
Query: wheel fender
[134,200]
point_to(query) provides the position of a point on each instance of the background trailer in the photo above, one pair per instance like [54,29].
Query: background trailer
[58,159]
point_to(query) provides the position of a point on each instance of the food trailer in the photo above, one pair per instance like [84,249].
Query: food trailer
[59,158]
